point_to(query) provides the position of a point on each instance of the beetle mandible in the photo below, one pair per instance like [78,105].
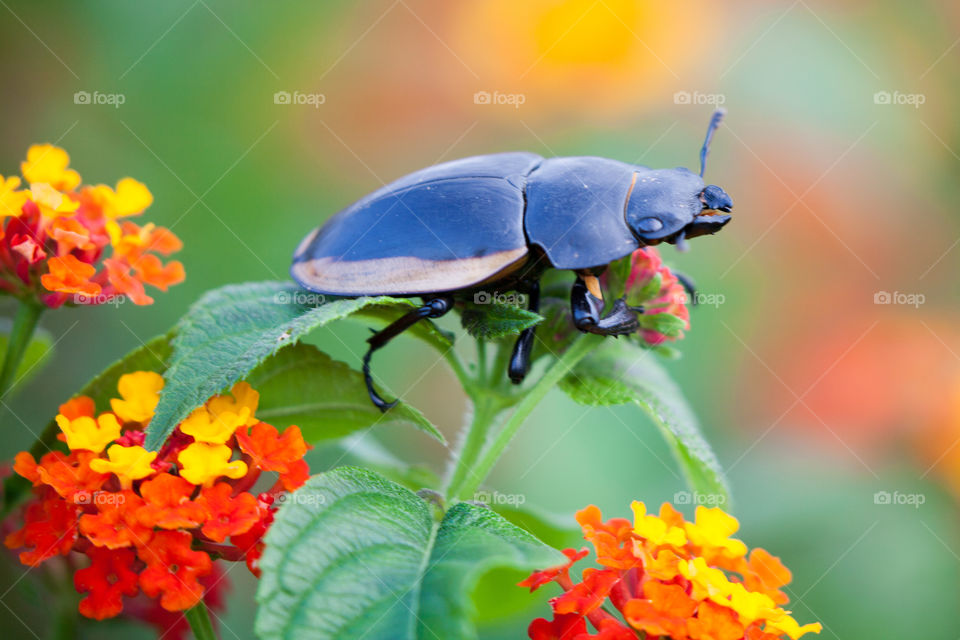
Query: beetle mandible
[498,222]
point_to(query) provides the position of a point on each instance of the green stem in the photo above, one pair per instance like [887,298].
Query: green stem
[581,346]
[485,410]
[24,324]
[200,624]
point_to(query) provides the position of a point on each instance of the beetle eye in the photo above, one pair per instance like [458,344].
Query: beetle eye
[649,225]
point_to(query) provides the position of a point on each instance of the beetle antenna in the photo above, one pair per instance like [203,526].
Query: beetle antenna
[715,121]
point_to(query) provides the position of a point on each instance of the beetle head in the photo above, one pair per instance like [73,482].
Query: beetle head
[670,205]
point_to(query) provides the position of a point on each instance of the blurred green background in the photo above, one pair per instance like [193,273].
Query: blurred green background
[840,151]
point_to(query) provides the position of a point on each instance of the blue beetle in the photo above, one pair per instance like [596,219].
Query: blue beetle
[498,222]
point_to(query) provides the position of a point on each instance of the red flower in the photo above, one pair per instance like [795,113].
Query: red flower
[588,595]
[50,528]
[562,627]
[559,573]
[109,577]
[173,570]
[227,516]
[168,504]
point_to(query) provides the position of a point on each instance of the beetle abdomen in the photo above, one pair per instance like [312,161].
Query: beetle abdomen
[417,236]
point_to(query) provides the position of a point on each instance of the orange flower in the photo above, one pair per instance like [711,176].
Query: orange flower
[109,577]
[118,273]
[77,226]
[271,451]
[226,516]
[168,504]
[150,270]
[669,578]
[154,519]
[70,474]
[116,524]
[664,610]
[173,569]
[69,275]
[562,627]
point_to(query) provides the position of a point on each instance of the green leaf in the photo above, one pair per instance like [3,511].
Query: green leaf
[354,555]
[327,399]
[152,356]
[622,373]
[665,323]
[231,330]
[36,355]
[491,321]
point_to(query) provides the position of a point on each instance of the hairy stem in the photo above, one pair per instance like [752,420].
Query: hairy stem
[580,347]
[485,410]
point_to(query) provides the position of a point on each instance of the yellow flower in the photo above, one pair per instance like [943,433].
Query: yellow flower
[752,605]
[708,582]
[127,463]
[792,628]
[202,463]
[141,393]
[712,530]
[51,202]
[49,164]
[130,198]
[204,426]
[11,200]
[242,396]
[86,433]
[655,529]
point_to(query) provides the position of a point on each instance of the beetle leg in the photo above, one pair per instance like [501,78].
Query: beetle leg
[689,286]
[520,358]
[433,308]
[586,310]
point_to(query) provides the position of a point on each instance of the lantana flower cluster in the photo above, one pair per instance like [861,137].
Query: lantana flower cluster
[154,522]
[61,241]
[652,285]
[668,578]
